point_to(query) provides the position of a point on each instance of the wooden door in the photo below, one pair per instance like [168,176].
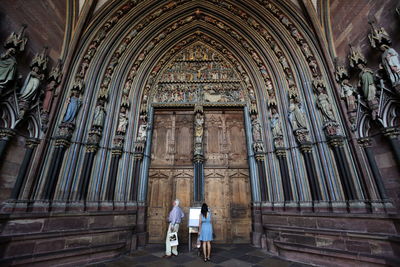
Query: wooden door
[171,171]
[227,189]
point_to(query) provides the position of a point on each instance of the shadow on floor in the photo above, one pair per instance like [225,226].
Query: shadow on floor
[233,255]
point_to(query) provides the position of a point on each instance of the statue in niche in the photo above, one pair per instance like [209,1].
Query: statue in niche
[348,93]
[31,84]
[99,115]
[198,127]
[296,34]
[275,123]
[142,133]
[48,95]
[325,106]
[122,121]
[391,63]
[306,50]
[256,129]
[367,83]
[297,116]
[8,65]
[73,107]
[313,67]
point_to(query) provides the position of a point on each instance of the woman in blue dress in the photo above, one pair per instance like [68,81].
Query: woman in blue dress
[206,231]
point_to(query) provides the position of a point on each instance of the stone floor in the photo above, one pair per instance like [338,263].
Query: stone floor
[242,255]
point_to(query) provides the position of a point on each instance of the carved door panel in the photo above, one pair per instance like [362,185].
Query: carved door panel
[240,210]
[171,171]
[158,199]
[227,189]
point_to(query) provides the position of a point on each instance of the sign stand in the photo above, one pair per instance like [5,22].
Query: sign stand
[193,224]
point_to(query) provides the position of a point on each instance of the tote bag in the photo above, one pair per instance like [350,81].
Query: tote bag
[173,239]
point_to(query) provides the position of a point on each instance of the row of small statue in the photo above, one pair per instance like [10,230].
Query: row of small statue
[29,91]
[208,71]
[390,66]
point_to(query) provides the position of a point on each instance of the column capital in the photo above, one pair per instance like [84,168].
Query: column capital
[32,142]
[62,142]
[260,156]
[306,147]
[391,132]
[365,142]
[6,133]
[91,148]
[280,152]
[116,151]
[336,141]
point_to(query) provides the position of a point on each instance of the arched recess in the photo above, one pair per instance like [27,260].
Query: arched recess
[264,46]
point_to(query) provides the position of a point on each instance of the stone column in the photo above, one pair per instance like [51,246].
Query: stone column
[392,134]
[112,174]
[260,160]
[365,143]
[287,189]
[61,146]
[254,182]
[306,150]
[198,154]
[30,144]
[336,143]
[135,177]
[5,136]
[84,180]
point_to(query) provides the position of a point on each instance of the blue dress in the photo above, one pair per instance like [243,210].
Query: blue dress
[206,233]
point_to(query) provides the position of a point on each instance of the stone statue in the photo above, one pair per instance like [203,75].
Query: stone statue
[142,134]
[391,63]
[48,96]
[296,116]
[256,128]
[31,84]
[348,93]
[306,50]
[366,82]
[198,128]
[122,123]
[8,66]
[275,124]
[99,116]
[325,106]
[73,107]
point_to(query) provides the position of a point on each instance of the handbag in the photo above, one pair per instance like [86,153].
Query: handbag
[173,239]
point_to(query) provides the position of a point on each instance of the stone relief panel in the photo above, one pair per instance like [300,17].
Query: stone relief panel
[198,74]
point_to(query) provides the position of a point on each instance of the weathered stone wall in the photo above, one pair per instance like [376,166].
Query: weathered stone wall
[349,21]
[73,238]
[333,240]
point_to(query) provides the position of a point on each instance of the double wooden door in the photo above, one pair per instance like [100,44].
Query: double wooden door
[226,188]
